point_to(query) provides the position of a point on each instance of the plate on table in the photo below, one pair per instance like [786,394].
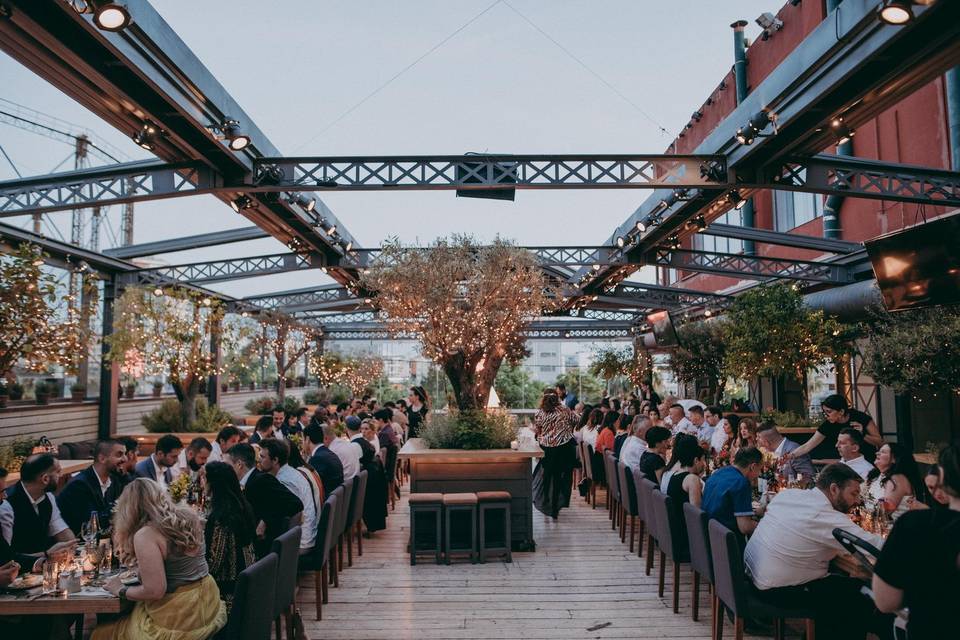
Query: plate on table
[130,577]
[29,581]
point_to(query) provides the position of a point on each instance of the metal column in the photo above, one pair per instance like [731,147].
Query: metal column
[740,76]
[109,371]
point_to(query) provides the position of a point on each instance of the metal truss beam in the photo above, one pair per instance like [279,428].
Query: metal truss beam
[658,297]
[752,267]
[859,178]
[104,186]
[337,318]
[62,253]
[539,330]
[546,256]
[186,243]
[472,172]
[222,270]
[765,236]
[328,297]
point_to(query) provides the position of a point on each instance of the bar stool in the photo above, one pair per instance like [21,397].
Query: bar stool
[465,504]
[425,504]
[496,503]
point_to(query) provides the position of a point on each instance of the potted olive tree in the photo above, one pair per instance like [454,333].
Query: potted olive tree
[157,388]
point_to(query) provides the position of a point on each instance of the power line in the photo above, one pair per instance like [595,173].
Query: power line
[15,170]
[587,67]
[398,74]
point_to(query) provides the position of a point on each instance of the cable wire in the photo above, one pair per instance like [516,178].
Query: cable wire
[15,170]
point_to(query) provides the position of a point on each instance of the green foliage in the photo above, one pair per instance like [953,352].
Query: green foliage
[702,355]
[469,430]
[770,332]
[261,406]
[586,386]
[786,419]
[516,389]
[610,362]
[291,404]
[14,452]
[313,397]
[167,419]
[915,351]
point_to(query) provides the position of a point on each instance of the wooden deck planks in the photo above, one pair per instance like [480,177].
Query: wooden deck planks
[579,579]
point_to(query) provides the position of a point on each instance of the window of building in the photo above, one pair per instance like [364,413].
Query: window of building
[721,245]
[792,209]
[548,368]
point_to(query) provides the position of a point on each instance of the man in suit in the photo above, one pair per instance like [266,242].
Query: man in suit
[770,439]
[157,466]
[95,489]
[126,473]
[263,430]
[325,462]
[273,504]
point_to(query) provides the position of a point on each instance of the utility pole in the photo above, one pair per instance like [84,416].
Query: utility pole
[126,223]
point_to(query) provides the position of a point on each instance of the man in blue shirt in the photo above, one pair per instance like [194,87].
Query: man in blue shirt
[728,496]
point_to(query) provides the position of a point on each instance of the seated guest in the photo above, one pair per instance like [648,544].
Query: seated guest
[386,434]
[591,429]
[848,445]
[770,439]
[621,435]
[324,461]
[296,461]
[728,493]
[274,458]
[95,489]
[375,502]
[176,598]
[895,481]
[787,556]
[263,430]
[685,484]
[292,422]
[30,519]
[192,459]
[606,438]
[652,462]
[673,464]
[157,466]
[655,418]
[369,432]
[278,414]
[746,436]
[230,528]
[273,504]
[13,563]
[635,444]
[937,497]
[348,452]
[713,416]
[918,565]
[678,422]
[226,438]
[127,471]
[698,419]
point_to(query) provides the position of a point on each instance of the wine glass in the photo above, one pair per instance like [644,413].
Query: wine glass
[88,531]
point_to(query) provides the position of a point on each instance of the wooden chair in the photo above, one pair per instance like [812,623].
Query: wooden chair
[287,548]
[249,616]
[628,502]
[670,541]
[700,561]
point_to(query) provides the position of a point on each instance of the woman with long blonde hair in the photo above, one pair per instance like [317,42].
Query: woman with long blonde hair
[176,598]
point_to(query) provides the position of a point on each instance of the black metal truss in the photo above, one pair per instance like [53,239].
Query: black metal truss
[658,297]
[62,254]
[470,172]
[865,179]
[752,267]
[540,330]
[546,256]
[337,318]
[187,243]
[765,236]
[103,186]
[308,299]
[223,270]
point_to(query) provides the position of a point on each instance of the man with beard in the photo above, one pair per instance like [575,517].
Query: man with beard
[193,458]
[30,519]
[788,555]
[95,489]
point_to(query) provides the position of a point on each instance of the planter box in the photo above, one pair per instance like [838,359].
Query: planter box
[148,441]
[463,471]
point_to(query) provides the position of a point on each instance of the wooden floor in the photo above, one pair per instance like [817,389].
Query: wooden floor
[580,583]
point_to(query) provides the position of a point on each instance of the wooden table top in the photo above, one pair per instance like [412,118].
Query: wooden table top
[19,605]
[417,448]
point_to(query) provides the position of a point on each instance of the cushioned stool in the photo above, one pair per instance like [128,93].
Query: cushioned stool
[424,506]
[494,539]
[460,505]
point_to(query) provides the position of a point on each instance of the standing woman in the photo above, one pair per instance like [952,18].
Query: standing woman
[839,416]
[230,529]
[553,425]
[416,411]
[177,598]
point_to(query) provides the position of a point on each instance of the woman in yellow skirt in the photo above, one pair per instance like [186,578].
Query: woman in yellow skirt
[176,598]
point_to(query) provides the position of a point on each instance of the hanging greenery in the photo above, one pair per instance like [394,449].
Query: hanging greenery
[468,304]
[914,351]
[770,332]
[610,362]
[287,341]
[702,355]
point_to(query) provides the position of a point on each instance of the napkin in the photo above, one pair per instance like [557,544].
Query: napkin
[92,592]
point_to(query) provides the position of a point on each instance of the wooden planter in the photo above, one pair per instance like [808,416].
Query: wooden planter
[128,391]
[77,396]
[463,471]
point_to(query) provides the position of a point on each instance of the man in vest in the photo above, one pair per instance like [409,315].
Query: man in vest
[30,520]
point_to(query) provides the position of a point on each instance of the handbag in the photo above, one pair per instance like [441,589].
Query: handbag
[584,487]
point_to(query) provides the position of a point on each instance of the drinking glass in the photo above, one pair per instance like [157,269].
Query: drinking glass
[88,533]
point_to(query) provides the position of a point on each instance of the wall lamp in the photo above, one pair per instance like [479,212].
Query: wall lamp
[736,200]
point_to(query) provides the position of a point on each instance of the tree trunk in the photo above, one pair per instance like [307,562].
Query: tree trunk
[187,395]
[471,388]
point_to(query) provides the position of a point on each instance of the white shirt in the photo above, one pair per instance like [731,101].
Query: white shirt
[719,437]
[589,435]
[860,465]
[705,432]
[684,426]
[216,455]
[246,476]
[183,467]
[299,485]
[794,543]
[6,515]
[631,451]
[349,455]
[104,486]
[160,471]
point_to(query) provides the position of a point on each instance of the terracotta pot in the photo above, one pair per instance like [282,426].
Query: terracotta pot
[43,398]
[3,400]
[236,386]
[253,386]
[157,391]
[224,386]
[77,396]
[129,390]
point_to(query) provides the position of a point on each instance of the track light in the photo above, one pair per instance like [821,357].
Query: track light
[147,136]
[712,171]
[230,130]
[621,242]
[158,292]
[241,203]
[896,12]
[348,247]
[306,203]
[674,241]
[111,16]
[843,133]
[736,200]
[641,227]
[332,231]
[748,133]
[708,313]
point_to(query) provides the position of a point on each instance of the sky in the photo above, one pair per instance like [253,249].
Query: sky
[510,76]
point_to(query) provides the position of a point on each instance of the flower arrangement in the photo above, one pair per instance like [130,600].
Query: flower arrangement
[179,487]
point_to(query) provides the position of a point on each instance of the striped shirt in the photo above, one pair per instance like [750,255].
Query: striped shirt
[554,428]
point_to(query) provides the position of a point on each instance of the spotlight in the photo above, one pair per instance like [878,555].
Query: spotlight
[158,292]
[700,222]
[243,202]
[270,175]
[306,203]
[596,267]
[708,313]
[843,133]
[112,16]
[230,130]
[348,246]
[896,12]
[207,302]
[147,136]
[244,315]
[641,227]
[748,133]
[621,241]
[736,200]
[332,231]
[712,171]
[769,21]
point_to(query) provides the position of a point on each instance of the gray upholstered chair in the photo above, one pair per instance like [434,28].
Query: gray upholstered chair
[287,548]
[355,525]
[671,541]
[698,536]
[249,619]
[628,501]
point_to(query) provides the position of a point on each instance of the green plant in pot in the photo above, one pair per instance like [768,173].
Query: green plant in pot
[42,392]
[4,394]
[77,391]
[157,388]
[15,389]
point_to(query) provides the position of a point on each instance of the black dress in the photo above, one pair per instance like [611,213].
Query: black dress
[830,431]
[375,501]
[678,498]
